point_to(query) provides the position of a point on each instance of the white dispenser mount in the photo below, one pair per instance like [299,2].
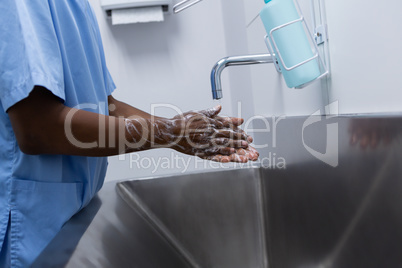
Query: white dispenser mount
[109,5]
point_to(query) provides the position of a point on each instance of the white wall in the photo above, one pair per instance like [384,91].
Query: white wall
[168,63]
[366,59]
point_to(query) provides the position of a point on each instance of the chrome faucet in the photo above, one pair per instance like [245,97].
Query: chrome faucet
[233,61]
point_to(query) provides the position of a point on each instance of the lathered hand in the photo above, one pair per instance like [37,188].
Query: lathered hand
[206,134]
[241,156]
[201,133]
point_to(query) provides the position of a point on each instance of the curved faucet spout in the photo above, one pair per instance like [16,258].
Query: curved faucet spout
[233,61]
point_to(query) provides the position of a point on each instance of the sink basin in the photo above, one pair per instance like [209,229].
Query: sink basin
[307,214]
[212,219]
[302,217]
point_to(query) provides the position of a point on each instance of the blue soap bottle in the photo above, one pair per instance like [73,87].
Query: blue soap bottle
[291,40]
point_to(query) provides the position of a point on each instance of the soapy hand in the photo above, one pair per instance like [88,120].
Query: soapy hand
[212,137]
[241,156]
[201,133]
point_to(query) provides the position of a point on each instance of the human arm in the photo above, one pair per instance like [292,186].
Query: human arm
[242,153]
[44,125]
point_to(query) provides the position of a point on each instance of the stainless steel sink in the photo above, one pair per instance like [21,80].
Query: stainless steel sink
[211,219]
[309,214]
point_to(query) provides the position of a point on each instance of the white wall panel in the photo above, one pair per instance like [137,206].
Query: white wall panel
[167,62]
[366,58]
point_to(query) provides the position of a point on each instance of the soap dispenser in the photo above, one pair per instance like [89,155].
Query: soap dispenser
[289,42]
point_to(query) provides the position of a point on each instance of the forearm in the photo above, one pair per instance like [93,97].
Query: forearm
[88,134]
[43,125]
[78,132]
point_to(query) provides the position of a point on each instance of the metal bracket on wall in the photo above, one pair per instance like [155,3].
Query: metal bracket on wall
[321,34]
[184,5]
[320,27]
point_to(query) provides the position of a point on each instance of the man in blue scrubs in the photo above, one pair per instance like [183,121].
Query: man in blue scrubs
[58,122]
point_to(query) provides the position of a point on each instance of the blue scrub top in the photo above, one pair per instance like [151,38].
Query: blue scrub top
[55,44]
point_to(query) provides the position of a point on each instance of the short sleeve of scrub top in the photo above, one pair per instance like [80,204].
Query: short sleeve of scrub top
[55,44]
